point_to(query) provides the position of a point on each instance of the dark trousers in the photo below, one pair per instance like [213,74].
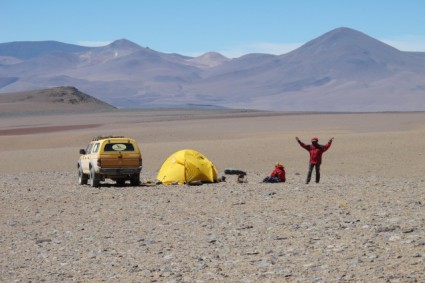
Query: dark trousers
[310,170]
[271,180]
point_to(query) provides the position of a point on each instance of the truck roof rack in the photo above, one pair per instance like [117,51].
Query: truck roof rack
[105,137]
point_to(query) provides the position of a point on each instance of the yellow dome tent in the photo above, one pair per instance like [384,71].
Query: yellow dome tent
[187,166]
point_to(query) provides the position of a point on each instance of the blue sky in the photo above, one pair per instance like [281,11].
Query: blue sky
[193,27]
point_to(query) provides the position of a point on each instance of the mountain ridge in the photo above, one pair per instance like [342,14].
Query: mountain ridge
[341,70]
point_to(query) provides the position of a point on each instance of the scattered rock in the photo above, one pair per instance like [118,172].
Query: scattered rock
[408,230]
[382,229]
[222,232]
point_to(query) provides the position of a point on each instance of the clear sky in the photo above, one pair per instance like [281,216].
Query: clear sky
[193,27]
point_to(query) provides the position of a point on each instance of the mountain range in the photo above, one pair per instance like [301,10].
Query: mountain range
[342,70]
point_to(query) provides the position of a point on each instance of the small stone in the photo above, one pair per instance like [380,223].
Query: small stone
[394,238]
[168,257]
[356,262]
[381,229]
[201,264]
[408,230]
[264,264]
[41,241]
[373,257]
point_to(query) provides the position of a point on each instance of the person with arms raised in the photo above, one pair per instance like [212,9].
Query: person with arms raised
[316,151]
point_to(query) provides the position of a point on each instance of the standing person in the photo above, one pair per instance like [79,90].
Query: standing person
[277,176]
[316,150]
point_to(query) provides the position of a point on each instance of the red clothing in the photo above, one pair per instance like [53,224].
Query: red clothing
[316,151]
[280,173]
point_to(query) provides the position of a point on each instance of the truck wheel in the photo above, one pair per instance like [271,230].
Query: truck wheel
[94,178]
[82,178]
[135,180]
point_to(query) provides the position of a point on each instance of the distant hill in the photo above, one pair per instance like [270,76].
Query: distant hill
[58,99]
[342,70]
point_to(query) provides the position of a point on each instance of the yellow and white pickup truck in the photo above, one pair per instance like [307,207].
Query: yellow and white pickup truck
[114,157]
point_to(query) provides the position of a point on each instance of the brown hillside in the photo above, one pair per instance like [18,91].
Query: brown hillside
[58,99]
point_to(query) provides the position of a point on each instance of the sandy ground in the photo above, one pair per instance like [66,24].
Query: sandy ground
[363,223]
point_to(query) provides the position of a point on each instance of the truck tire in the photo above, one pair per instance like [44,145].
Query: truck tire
[82,178]
[135,180]
[94,178]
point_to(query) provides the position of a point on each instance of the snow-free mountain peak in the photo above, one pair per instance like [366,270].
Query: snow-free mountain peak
[124,44]
[209,59]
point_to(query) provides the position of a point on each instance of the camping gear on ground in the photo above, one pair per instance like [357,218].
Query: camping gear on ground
[241,175]
[187,167]
[242,179]
[232,171]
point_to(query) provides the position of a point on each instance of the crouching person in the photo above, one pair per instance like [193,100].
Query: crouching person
[277,176]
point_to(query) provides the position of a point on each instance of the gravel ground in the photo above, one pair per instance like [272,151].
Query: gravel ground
[345,229]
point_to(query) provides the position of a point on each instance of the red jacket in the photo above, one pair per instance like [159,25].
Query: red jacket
[280,173]
[316,151]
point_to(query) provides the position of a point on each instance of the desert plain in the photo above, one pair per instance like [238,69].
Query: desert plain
[364,222]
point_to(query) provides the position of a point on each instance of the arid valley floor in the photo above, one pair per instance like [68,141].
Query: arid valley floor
[363,223]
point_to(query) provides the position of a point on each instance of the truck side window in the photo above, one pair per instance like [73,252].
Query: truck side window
[96,148]
[88,150]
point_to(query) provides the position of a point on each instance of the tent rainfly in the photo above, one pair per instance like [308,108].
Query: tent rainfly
[186,166]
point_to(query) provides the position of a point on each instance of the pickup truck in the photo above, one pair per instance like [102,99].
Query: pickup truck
[114,157]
